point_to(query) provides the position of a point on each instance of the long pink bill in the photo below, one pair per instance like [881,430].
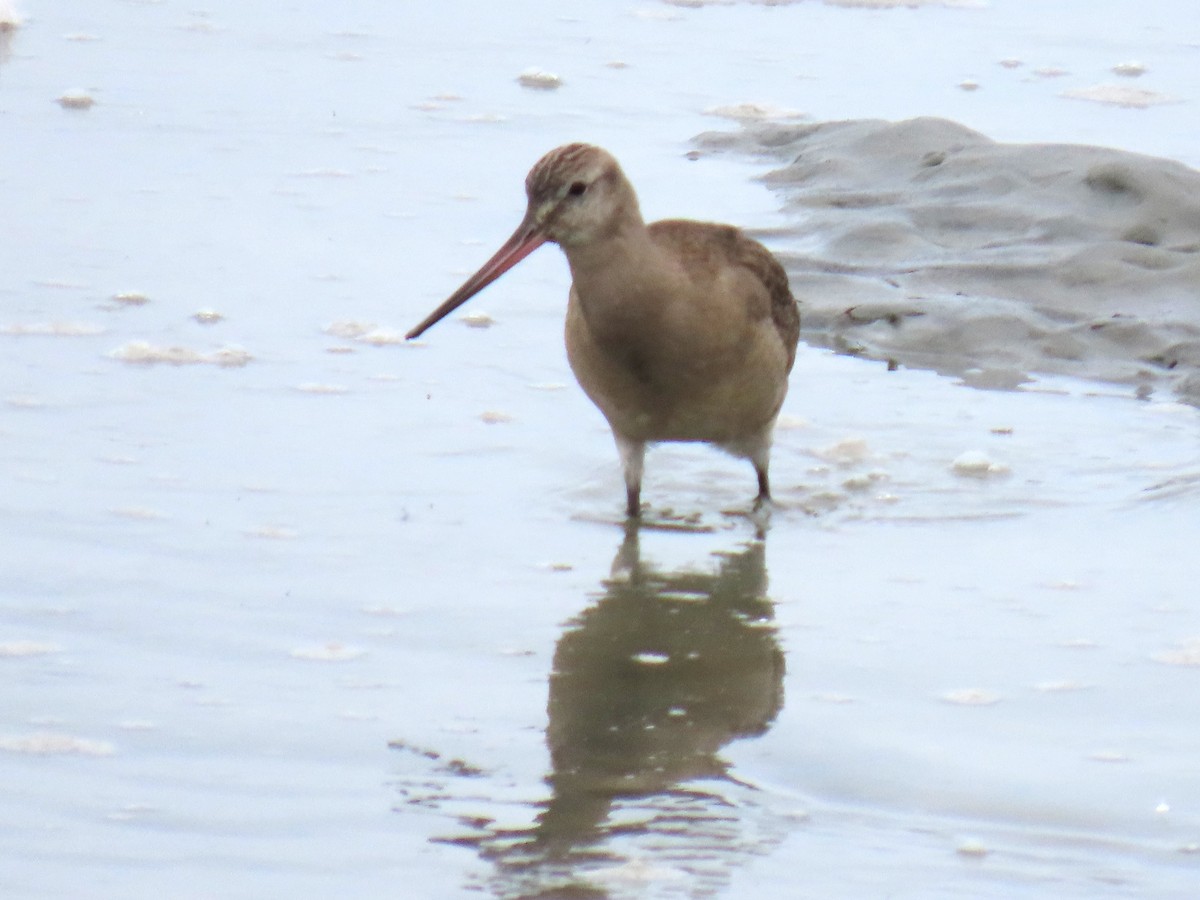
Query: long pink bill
[524,241]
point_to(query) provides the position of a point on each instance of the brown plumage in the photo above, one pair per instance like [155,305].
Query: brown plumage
[677,331]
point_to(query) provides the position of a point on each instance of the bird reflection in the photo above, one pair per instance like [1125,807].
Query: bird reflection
[648,684]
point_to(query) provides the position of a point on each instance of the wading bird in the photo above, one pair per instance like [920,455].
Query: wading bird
[677,330]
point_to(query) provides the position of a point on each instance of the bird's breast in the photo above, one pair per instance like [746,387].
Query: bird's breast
[661,372]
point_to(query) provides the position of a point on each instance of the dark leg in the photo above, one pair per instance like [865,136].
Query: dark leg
[764,487]
[760,456]
[633,454]
[633,503]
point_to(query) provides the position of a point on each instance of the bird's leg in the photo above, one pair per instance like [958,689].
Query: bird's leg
[633,455]
[633,502]
[760,455]
[764,487]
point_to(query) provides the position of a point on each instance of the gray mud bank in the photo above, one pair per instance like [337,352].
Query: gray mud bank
[926,244]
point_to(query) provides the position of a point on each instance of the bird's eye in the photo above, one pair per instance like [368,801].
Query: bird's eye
[577,188]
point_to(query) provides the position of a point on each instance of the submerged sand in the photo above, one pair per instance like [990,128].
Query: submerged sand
[927,244]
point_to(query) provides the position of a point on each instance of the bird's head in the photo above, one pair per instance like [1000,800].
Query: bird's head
[577,195]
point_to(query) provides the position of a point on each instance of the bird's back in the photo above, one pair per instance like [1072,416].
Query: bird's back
[707,248]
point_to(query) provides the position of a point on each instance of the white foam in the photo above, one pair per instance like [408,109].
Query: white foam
[1186,654]
[977,464]
[754,112]
[143,353]
[539,80]
[333,651]
[50,744]
[971,697]
[11,649]
[1129,69]
[131,298]
[76,98]
[311,387]
[1120,95]
[52,329]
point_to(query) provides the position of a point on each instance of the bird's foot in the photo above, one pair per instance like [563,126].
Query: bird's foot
[760,514]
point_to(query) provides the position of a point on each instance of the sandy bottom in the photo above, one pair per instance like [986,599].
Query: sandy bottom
[290,607]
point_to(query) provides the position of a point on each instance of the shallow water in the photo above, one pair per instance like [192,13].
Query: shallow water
[316,612]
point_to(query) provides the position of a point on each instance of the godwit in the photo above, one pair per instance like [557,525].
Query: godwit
[678,330]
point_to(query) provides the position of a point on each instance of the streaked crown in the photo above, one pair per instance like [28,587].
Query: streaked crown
[578,194]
